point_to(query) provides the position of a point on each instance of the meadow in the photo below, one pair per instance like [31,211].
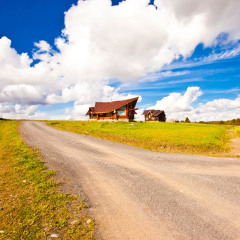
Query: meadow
[31,203]
[155,136]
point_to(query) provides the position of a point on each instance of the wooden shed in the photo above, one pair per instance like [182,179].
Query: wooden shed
[154,115]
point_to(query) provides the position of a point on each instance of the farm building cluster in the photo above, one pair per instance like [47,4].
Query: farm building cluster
[122,110]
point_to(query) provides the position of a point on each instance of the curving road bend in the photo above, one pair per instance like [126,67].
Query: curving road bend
[138,194]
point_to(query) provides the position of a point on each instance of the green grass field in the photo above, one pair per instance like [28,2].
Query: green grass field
[31,204]
[156,136]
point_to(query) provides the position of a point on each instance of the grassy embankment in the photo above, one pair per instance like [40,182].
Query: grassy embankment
[31,204]
[156,136]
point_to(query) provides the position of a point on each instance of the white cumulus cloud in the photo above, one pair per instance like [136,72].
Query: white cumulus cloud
[178,106]
[19,112]
[176,102]
[101,42]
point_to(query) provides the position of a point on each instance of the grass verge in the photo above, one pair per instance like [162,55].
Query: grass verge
[237,131]
[156,136]
[31,204]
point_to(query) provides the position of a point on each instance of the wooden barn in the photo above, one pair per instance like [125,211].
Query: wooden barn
[154,115]
[116,110]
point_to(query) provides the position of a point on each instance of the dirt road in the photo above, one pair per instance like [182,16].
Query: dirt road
[138,194]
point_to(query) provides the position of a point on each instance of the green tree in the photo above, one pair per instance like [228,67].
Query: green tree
[187,120]
[238,121]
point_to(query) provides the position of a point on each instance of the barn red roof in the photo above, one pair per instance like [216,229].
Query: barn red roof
[106,107]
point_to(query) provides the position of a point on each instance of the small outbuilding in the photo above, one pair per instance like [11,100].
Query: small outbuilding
[154,115]
[117,110]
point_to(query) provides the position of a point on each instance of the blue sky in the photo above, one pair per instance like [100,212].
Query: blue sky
[185,62]
[217,79]
[26,22]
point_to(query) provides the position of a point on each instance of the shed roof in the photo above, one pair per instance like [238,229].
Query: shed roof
[106,107]
[153,111]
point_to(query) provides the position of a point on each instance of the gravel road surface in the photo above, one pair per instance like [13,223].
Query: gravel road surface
[138,194]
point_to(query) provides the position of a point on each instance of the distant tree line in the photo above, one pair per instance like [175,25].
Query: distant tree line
[228,122]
